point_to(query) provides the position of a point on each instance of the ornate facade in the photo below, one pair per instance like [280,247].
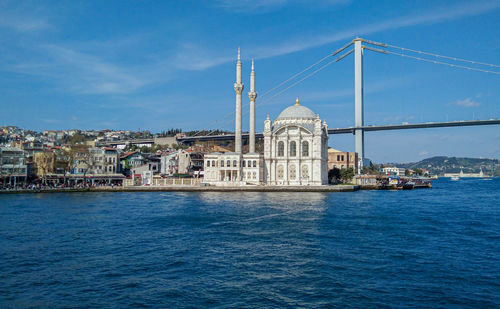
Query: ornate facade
[296,148]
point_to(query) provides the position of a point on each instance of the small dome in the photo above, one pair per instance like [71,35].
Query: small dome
[296,111]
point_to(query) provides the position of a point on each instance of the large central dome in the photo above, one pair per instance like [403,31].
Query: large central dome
[297,111]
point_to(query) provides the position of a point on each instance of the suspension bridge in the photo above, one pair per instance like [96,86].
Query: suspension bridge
[357,47]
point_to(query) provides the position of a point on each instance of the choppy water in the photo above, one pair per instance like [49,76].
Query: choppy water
[423,248]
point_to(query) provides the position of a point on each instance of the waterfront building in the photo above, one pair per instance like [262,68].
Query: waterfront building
[295,148]
[342,159]
[44,163]
[169,163]
[394,171]
[131,160]
[103,161]
[13,169]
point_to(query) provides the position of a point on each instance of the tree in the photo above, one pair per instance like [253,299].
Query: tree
[346,174]
[334,175]
[44,164]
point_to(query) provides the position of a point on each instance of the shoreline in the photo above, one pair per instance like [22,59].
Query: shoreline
[335,188]
[329,188]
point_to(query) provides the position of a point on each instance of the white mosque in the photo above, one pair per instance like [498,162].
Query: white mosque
[295,148]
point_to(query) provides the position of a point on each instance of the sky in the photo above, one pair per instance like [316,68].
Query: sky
[155,65]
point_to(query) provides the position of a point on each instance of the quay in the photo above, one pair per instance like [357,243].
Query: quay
[181,188]
[188,188]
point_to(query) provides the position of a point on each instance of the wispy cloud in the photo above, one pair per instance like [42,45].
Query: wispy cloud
[264,6]
[20,18]
[83,73]
[468,102]
[437,15]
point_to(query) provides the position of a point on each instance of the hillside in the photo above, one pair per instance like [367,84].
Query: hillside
[440,165]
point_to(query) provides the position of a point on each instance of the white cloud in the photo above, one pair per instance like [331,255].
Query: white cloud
[264,6]
[468,102]
[437,15]
[19,17]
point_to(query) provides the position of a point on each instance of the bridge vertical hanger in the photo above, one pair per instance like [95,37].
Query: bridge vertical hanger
[358,100]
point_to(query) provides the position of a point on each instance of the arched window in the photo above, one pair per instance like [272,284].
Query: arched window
[305,149]
[222,163]
[293,172]
[281,172]
[281,149]
[234,163]
[254,163]
[208,163]
[305,172]
[228,163]
[244,163]
[293,149]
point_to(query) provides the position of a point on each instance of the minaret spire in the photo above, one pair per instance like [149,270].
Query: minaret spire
[252,95]
[238,87]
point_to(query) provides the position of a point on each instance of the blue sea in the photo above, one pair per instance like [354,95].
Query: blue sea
[429,248]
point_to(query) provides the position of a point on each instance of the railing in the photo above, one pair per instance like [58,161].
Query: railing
[164,182]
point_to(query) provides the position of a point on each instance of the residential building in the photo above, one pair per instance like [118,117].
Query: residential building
[342,159]
[13,169]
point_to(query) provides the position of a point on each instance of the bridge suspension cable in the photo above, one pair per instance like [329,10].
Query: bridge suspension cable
[441,62]
[294,84]
[442,56]
[277,87]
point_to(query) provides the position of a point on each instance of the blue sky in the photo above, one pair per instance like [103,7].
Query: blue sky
[161,64]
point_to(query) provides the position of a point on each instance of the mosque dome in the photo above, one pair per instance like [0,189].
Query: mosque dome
[297,111]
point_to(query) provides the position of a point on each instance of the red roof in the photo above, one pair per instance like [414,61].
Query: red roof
[127,154]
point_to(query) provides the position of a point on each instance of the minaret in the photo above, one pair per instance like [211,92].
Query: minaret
[252,95]
[238,87]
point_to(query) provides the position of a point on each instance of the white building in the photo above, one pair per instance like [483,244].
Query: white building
[295,148]
[394,171]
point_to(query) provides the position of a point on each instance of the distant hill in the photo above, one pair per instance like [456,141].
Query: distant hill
[440,165]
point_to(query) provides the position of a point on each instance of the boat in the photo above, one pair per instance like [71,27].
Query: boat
[455,178]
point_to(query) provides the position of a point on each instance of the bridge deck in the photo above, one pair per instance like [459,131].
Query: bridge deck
[330,131]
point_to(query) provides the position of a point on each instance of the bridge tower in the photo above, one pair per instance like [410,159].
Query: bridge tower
[358,100]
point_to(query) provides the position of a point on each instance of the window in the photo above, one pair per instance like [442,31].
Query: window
[293,172]
[338,158]
[208,163]
[254,163]
[249,163]
[222,163]
[281,172]
[213,163]
[244,163]
[254,175]
[305,149]
[228,163]
[305,172]
[235,163]
[281,149]
[293,149]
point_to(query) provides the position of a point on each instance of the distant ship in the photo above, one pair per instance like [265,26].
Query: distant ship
[455,178]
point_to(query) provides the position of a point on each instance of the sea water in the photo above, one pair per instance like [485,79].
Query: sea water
[429,248]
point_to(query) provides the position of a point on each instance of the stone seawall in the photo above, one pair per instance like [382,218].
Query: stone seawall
[338,188]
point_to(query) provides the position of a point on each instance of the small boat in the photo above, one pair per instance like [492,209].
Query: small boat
[455,178]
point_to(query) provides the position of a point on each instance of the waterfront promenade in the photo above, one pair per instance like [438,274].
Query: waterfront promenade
[187,188]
